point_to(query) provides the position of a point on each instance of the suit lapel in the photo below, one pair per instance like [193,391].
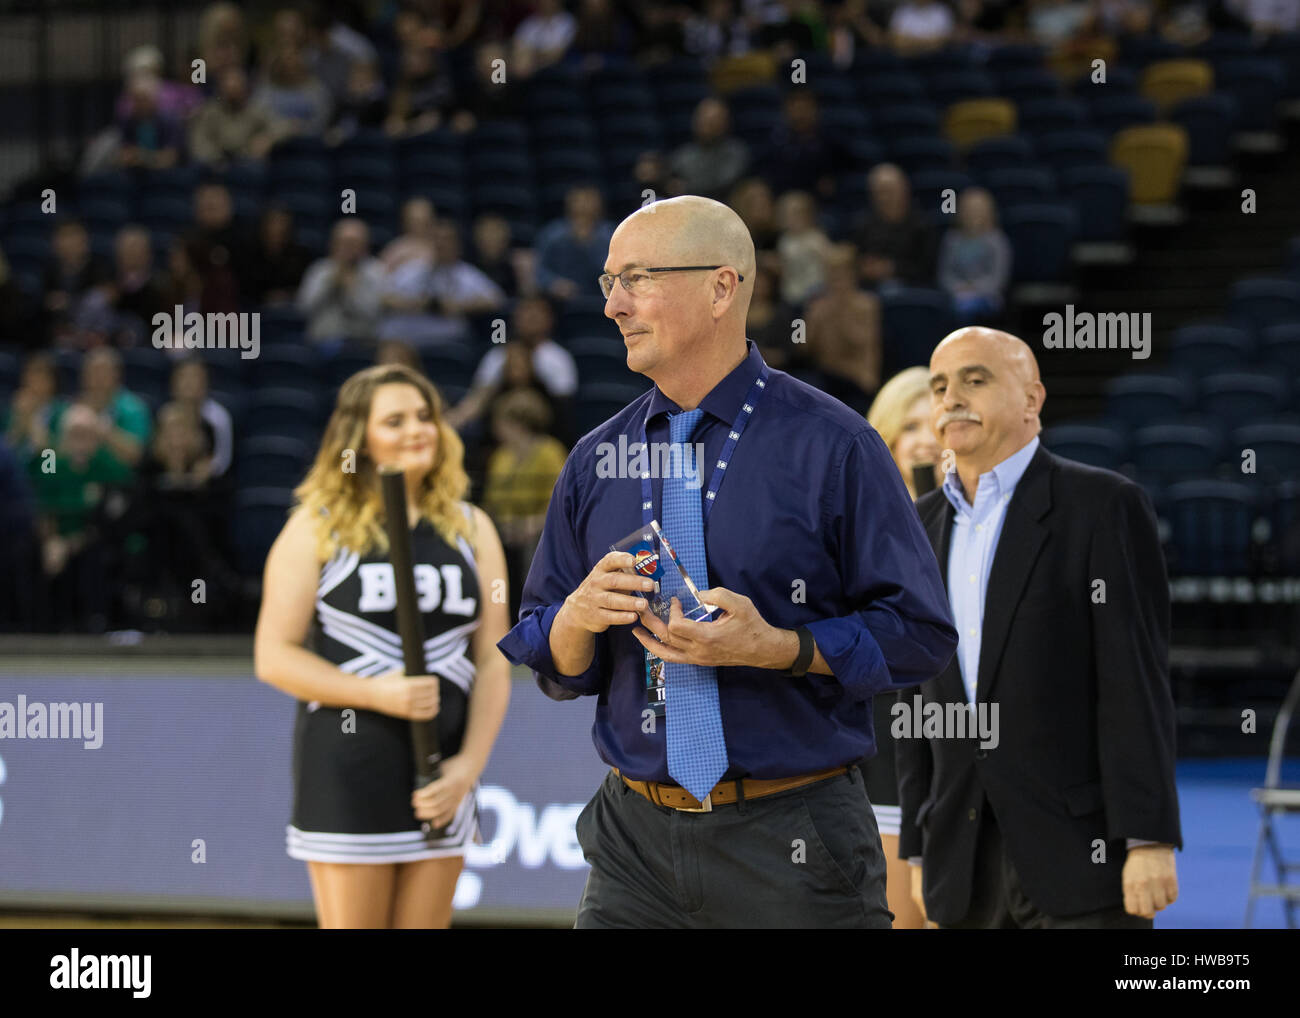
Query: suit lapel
[1019,543]
[938,527]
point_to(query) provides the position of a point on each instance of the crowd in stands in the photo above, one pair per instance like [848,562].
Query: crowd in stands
[146,482]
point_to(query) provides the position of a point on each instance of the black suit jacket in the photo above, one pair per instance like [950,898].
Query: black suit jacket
[1086,717]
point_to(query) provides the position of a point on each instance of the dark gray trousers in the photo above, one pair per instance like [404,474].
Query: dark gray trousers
[806,858]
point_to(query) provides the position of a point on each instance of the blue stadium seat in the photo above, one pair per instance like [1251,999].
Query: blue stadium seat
[166,213]
[598,402]
[1235,397]
[258,517]
[1021,83]
[307,174]
[928,187]
[443,169]
[639,131]
[1280,344]
[1136,51]
[449,367]
[1040,115]
[913,320]
[1100,195]
[907,120]
[226,368]
[1065,149]
[147,373]
[310,207]
[1260,302]
[1008,152]
[1276,447]
[1202,349]
[1118,79]
[948,87]
[555,97]
[1210,525]
[569,164]
[283,411]
[755,126]
[576,130]
[616,100]
[514,201]
[282,365]
[104,213]
[1111,112]
[1225,47]
[601,359]
[114,185]
[889,88]
[950,58]
[362,170]
[756,97]
[346,363]
[583,316]
[833,88]
[918,153]
[1041,237]
[372,141]
[1209,121]
[508,166]
[271,461]
[1019,185]
[1138,400]
[1257,83]
[682,94]
[1014,55]
[1175,450]
[847,122]
[1094,444]
[10,372]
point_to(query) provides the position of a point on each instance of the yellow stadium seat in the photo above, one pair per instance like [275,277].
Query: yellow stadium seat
[731,73]
[1154,155]
[973,120]
[1168,82]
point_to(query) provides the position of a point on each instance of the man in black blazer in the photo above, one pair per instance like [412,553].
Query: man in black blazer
[1061,810]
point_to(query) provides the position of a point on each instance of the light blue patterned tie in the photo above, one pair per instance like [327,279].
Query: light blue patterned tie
[697,751]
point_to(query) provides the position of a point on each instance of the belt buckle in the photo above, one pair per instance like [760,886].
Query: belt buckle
[705,807]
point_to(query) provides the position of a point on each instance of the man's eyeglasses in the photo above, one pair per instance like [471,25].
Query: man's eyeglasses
[634,280]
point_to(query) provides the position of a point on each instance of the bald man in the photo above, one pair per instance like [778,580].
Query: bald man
[1055,807]
[731,801]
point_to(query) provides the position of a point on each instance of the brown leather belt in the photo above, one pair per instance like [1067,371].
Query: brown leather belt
[724,792]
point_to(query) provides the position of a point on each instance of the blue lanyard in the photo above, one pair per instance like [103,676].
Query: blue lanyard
[720,468]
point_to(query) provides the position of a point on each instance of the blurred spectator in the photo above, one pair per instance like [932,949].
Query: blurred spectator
[542,38]
[490,94]
[135,293]
[223,40]
[896,243]
[571,252]
[603,30]
[844,334]
[802,248]
[650,175]
[189,390]
[1117,18]
[789,27]
[457,287]
[278,261]
[218,249]
[364,103]
[716,32]
[17,550]
[33,407]
[1052,23]
[231,126]
[853,29]
[1191,22]
[552,366]
[714,160]
[293,94]
[181,283]
[69,279]
[752,200]
[340,293]
[120,423]
[151,138]
[69,502]
[175,100]
[396,351]
[424,93]
[511,270]
[801,155]
[521,475]
[918,26]
[1268,17]
[333,48]
[405,295]
[975,257]
[901,415]
[17,322]
[770,322]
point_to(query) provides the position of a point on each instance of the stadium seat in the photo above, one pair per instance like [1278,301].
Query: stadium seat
[1020,84]
[166,213]
[1041,236]
[1209,122]
[552,98]
[281,411]
[1041,115]
[1276,447]
[553,132]
[913,320]
[598,402]
[1064,149]
[948,87]
[306,174]
[1210,528]
[974,120]
[928,187]
[147,373]
[363,171]
[10,373]
[1111,112]
[1019,185]
[1013,56]
[1141,399]
[282,365]
[1280,344]
[1168,82]
[1202,349]
[918,153]
[1143,50]
[832,87]
[601,359]
[1235,397]
[499,136]
[583,316]
[906,120]
[258,517]
[890,88]
[506,166]
[514,201]
[848,122]
[1119,79]
[271,461]
[1257,83]
[1100,196]
[1170,451]
[1154,157]
[1260,302]
[1094,444]
[450,366]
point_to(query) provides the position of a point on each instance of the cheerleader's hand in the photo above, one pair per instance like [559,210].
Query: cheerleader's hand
[412,697]
[438,801]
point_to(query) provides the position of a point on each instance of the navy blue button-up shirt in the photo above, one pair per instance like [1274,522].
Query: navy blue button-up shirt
[812,523]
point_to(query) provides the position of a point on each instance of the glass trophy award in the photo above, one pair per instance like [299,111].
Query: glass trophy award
[655,559]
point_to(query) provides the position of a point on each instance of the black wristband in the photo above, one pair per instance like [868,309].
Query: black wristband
[806,647]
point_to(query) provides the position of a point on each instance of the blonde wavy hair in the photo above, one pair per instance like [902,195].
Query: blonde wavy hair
[889,408]
[347,505]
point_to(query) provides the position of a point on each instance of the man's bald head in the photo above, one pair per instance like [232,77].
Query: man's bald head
[986,396]
[691,230]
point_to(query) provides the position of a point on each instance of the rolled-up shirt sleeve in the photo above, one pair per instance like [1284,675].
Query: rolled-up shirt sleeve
[559,566]
[903,632]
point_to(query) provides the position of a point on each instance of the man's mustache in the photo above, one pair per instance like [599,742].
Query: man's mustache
[957,415]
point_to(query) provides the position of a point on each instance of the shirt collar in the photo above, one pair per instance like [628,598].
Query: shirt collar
[724,399]
[1003,477]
